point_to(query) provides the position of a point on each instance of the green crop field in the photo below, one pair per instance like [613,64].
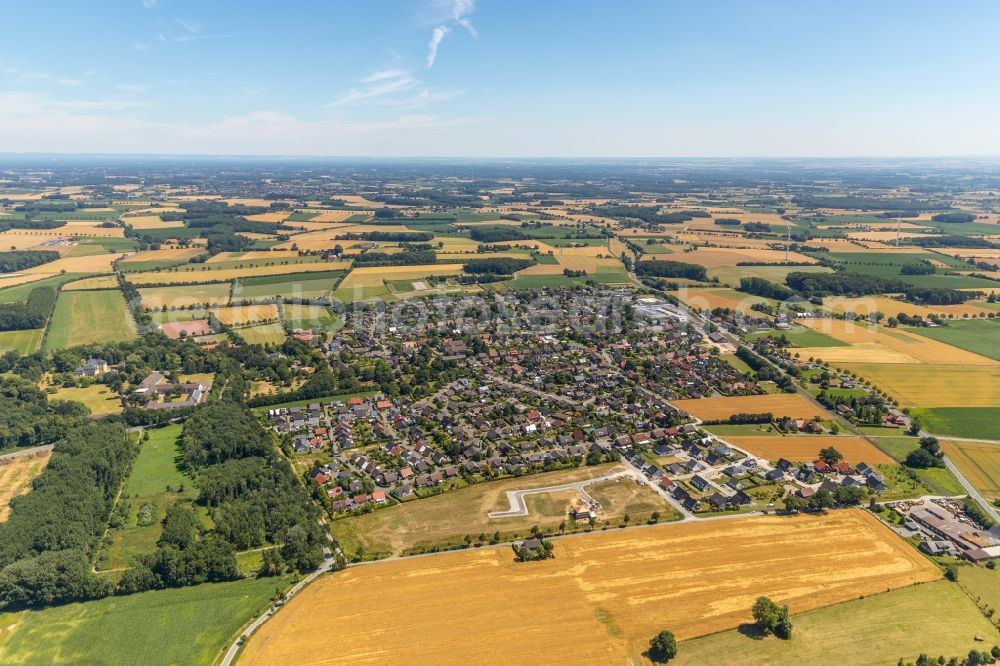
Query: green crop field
[139,266]
[979,336]
[974,422]
[161,316]
[542,281]
[266,334]
[801,337]
[981,583]
[19,292]
[191,625]
[83,317]
[936,618]
[23,342]
[154,469]
[888,265]
[731,275]
[305,285]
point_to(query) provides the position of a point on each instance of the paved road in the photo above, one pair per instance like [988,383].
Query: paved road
[973,493]
[515,498]
[27,452]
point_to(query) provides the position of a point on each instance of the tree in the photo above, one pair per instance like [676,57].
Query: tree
[830,455]
[783,629]
[928,454]
[663,647]
[772,618]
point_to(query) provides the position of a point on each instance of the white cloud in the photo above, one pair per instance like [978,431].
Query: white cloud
[73,83]
[181,31]
[148,4]
[436,37]
[458,12]
[141,46]
[380,85]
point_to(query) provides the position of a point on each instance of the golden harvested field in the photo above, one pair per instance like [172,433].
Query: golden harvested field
[979,462]
[780,404]
[711,257]
[372,276]
[881,344]
[805,448]
[166,254]
[99,282]
[253,255]
[15,477]
[892,308]
[268,217]
[835,244]
[226,274]
[597,602]
[980,253]
[92,263]
[244,314]
[327,216]
[216,293]
[925,385]
[709,299]
[151,222]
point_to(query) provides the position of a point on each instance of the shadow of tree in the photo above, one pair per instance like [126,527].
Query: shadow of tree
[751,630]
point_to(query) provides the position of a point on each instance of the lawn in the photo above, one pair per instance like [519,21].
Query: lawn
[98,398]
[938,479]
[311,316]
[982,584]
[800,336]
[980,336]
[23,342]
[267,334]
[873,630]
[974,422]
[85,317]
[737,363]
[155,468]
[190,625]
[443,520]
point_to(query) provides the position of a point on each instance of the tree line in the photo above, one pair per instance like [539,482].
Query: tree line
[33,313]
[51,534]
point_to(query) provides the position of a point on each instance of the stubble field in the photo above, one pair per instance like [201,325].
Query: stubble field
[780,404]
[805,448]
[979,462]
[599,601]
[16,476]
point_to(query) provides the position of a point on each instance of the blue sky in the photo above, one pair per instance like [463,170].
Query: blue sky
[503,78]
